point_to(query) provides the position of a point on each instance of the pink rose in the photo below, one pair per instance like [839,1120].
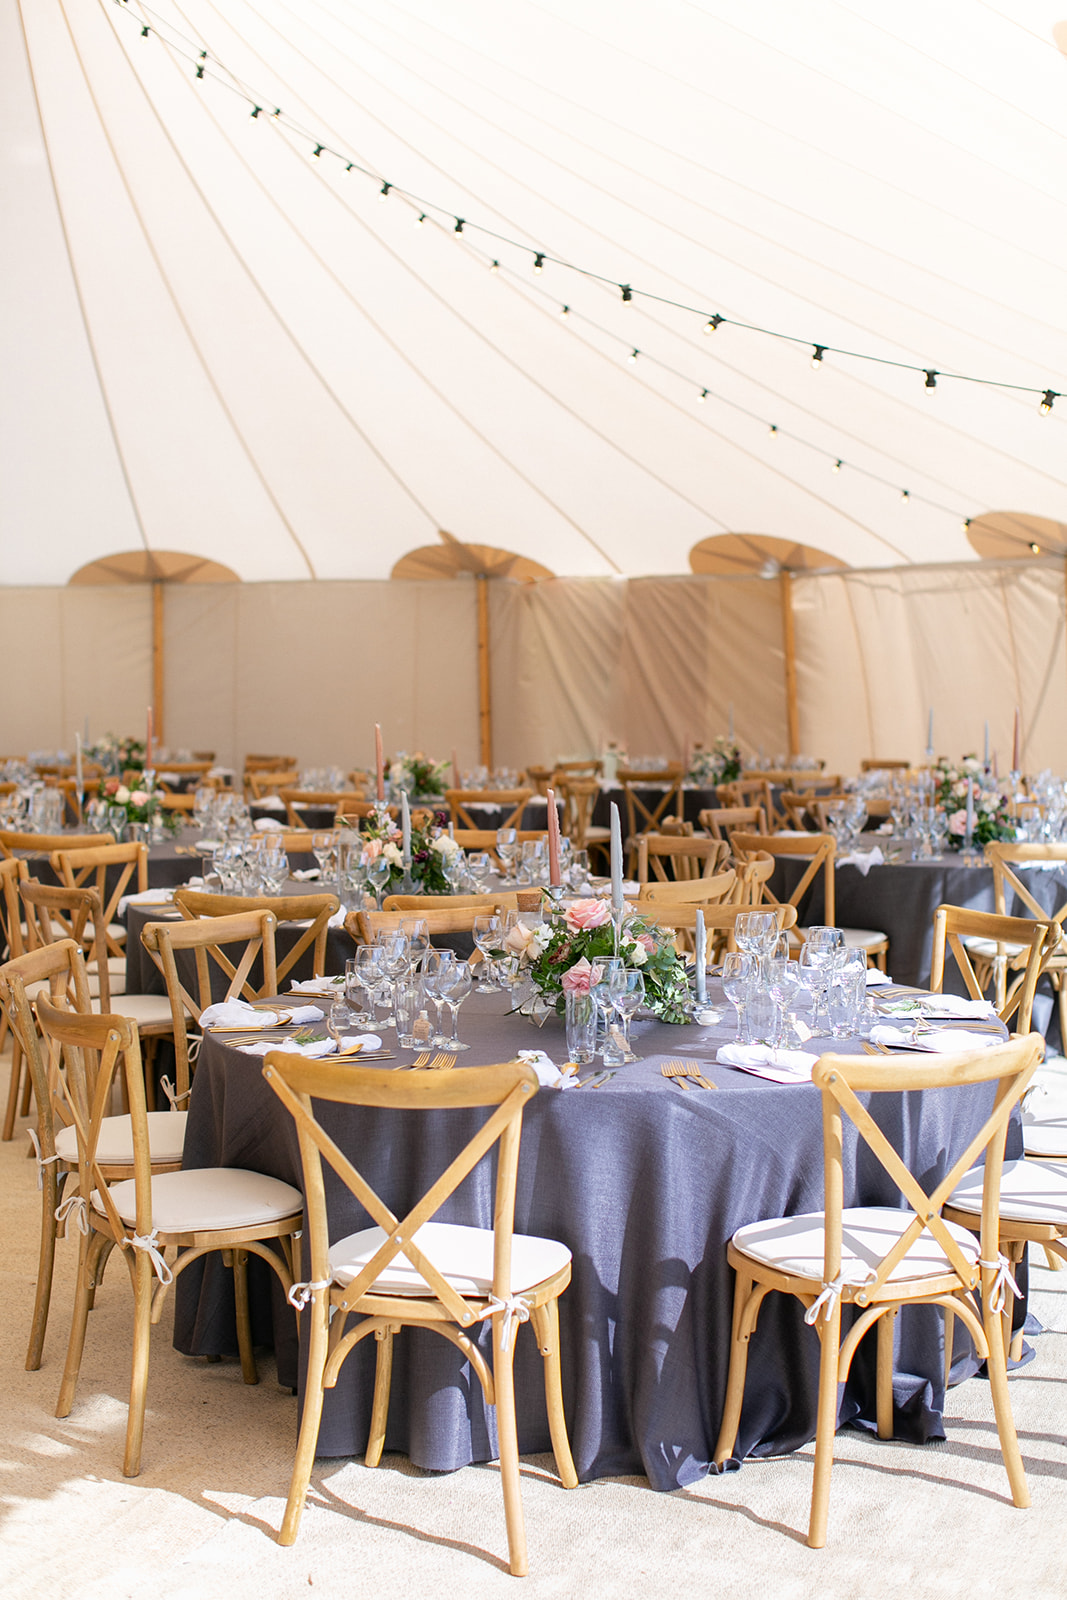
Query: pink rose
[371,851]
[580,978]
[957,823]
[519,939]
[138,797]
[585,914]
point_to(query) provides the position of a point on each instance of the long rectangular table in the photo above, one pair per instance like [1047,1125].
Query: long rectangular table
[645,1182]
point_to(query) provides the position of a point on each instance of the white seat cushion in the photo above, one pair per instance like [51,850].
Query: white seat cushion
[795,1245]
[1045,1136]
[209,1197]
[987,948]
[464,1256]
[863,938]
[144,1009]
[166,1139]
[1030,1191]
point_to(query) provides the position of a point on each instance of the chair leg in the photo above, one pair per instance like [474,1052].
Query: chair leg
[884,1382]
[735,1381]
[88,1256]
[13,1090]
[826,1427]
[45,1266]
[383,1377]
[143,1279]
[239,1262]
[996,1368]
[309,1422]
[27,1094]
[546,1327]
[508,1442]
[950,1329]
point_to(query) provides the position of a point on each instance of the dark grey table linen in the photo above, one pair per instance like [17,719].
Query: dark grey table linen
[645,1182]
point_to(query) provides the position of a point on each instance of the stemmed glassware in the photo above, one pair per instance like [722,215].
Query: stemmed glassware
[356,991]
[435,969]
[378,874]
[626,986]
[740,973]
[480,867]
[488,931]
[784,984]
[340,1020]
[324,849]
[756,933]
[821,953]
[507,848]
[601,991]
[454,987]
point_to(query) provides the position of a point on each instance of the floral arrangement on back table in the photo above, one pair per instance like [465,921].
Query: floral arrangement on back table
[140,805]
[564,954]
[117,755]
[418,776]
[992,819]
[431,844]
[720,764]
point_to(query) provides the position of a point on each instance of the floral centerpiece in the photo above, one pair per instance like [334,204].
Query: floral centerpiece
[992,819]
[431,844]
[117,755]
[140,805]
[720,764]
[564,953]
[418,776]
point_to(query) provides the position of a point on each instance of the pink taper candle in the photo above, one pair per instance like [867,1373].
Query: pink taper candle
[553,840]
[379,761]
[455,772]
[148,741]
[1016,745]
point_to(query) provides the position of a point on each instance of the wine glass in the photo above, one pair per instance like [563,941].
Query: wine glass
[783,984]
[417,930]
[507,848]
[324,849]
[480,867]
[739,973]
[756,933]
[379,872]
[435,968]
[355,990]
[454,987]
[627,989]
[488,931]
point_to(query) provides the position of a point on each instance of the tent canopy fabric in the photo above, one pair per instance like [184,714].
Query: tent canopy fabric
[218,344]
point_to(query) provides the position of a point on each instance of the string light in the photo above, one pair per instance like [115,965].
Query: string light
[712,323]
[348,167]
[564,312]
[632,357]
[420,219]
[459,225]
[539,263]
[930,378]
[276,113]
[820,351]
[773,430]
[383,192]
[200,69]
[255,112]
[905,497]
[494,266]
[701,397]
[1049,400]
[838,464]
[316,153]
[1035,548]
[146,30]
[626,292]
[966,524]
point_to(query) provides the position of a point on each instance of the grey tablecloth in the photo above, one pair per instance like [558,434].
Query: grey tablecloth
[645,1183]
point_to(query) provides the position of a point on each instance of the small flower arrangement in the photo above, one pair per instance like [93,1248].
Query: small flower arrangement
[431,844]
[117,755]
[720,764]
[564,953]
[140,805]
[418,776]
[992,819]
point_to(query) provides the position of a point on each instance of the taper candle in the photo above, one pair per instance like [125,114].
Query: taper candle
[553,840]
[616,862]
[148,743]
[405,829]
[379,761]
[701,942]
[1017,744]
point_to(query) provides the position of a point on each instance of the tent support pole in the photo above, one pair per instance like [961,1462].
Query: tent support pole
[157,657]
[789,643]
[485,712]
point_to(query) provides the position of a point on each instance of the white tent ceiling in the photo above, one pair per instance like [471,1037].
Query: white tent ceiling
[211,342]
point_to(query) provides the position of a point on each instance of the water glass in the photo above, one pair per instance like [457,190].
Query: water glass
[480,867]
[454,987]
[581,1027]
[407,1003]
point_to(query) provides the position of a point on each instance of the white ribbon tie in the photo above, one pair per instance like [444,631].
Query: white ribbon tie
[824,1305]
[300,1294]
[149,1242]
[74,1205]
[42,1161]
[515,1310]
[171,1093]
[1001,1283]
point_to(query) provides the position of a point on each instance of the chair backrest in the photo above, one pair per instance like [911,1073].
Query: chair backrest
[713,890]
[799,811]
[312,910]
[485,839]
[751,791]
[841,1079]
[566,770]
[818,848]
[1006,861]
[43,844]
[459,800]
[13,873]
[454,902]
[176,802]
[269,763]
[579,796]
[538,778]
[719,921]
[508,1089]
[721,821]
[954,924]
[208,941]
[76,868]
[650,796]
[753,876]
[178,772]
[62,967]
[883,764]
[688,856]
[261,782]
[341,801]
[54,914]
[364,926]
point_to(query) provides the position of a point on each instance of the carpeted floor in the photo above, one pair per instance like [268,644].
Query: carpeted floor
[199,1521]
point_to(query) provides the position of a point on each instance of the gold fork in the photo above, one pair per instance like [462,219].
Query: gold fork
[421,1059]
[875,1049]
[678,1071]
[689,1069]
[442,1062]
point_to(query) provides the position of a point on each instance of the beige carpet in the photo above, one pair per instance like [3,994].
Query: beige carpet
[199,1521]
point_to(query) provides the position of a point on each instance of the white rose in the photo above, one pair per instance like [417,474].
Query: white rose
[391,852]
[122,795]
[543,934]
[636,955]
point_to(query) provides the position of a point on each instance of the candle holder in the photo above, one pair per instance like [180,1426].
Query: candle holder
[554,892]
[381,814]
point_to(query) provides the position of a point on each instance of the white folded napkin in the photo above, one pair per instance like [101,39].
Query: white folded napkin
[338,918]
[952,1005]
[147,897]
[548,1075]
[936,1041]
[781,1066]
[875,977]
[354,1044]
[238,1013]
[305,874]
[193,883]
[269,802]
[268,825]
[332,985]
[862,860]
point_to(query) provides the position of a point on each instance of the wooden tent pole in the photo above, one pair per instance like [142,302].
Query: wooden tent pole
[157,658]
[792,720]
[485,712]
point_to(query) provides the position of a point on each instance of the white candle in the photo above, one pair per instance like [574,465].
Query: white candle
[379,761]
[969,824]
[731,722]
[930,732]
[616,862]
[985,747]
[701,942]
[78,762]
[553,840]
[148,743]
[405,825]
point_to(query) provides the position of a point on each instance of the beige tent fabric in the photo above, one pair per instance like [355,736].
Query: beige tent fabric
[307,668]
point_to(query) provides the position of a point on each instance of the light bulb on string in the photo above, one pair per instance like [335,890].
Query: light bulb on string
[773,430]
[564,312]
[145,31]
[383,192]
[539,263]
[712,323]
[819,352]
[838,464]
[701,397]
[494,266]
[255,112]
[276,113]
[626,292]
[905,497]
[316,153]
[1035,548]
[966,524]
[459,225]
[1048,401]
[420,219]
[930,378]
[200,69]
[632,357]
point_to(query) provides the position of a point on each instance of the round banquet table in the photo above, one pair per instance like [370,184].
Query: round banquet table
[645,1182]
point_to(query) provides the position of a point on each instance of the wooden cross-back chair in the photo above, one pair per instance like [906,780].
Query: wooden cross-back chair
[688,856]
[804,810]
[261,783]
[538,778]
[175,773]
[819,849]
[176,802]
[566,770]
[644,815]
[459,800]
[715,889]
[262,763]
[883,764]
[1006,962]
[879,1258]
[13,872]
[365,926]
[77,868]
[343,802]
[43,844]
[750,792]
[59,971]
[505,900]
[313,910]
[224,1209]
[753,876]
[206,943]
[407,1270]
[721,821]
[719,922]
[485,839]
[579,796]
[954,925]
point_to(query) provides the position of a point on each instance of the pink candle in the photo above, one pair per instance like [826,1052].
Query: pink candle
[148,741]
[455,772]
[553,840]
[1016,745]
[379,760]
[687,757]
